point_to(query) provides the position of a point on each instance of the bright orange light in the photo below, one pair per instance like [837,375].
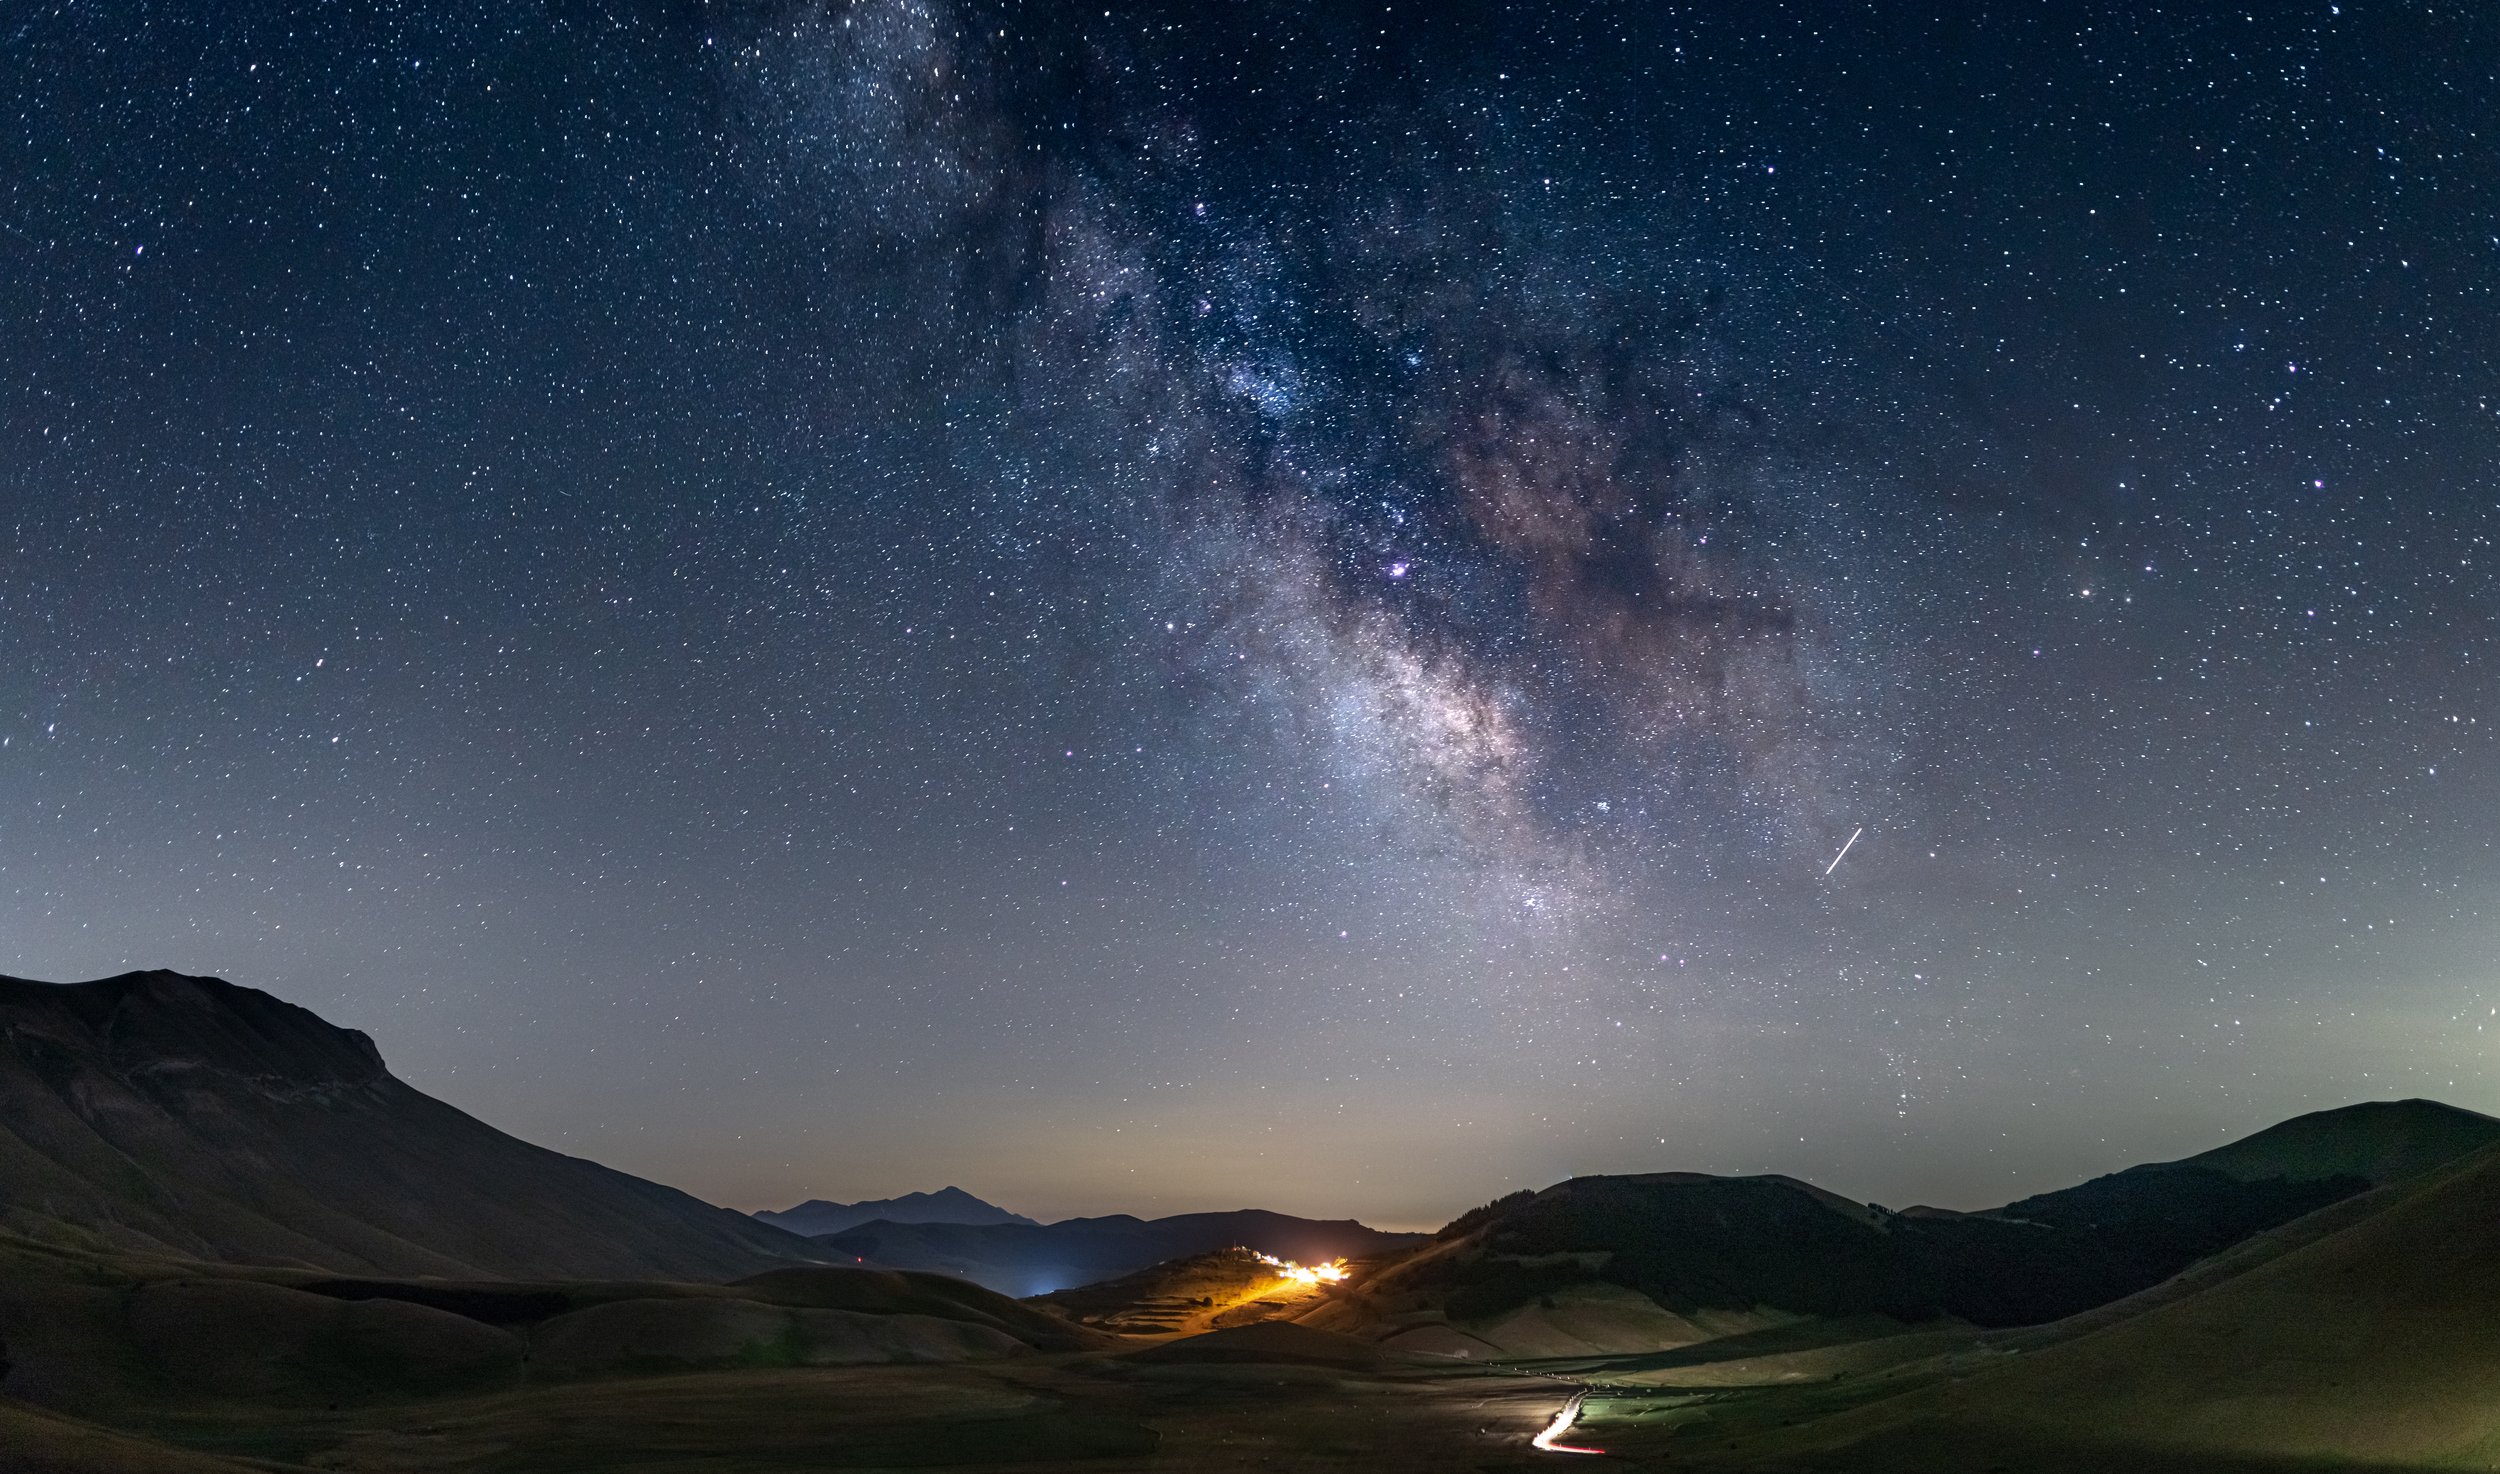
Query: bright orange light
[1309,1276]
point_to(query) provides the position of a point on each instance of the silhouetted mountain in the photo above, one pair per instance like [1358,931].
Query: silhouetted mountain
[1710,1251]
[188,1116]
[2379,1141]
[946,1205]
[1735,1244]
[1035,1259]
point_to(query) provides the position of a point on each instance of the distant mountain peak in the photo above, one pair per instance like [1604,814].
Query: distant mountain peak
[948,1204]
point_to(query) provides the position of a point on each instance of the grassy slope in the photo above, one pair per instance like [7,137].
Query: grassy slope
[1221,1417]
[36,1442]
[136,1340]
[227,1369]
[2375,1346]
[1722,1256]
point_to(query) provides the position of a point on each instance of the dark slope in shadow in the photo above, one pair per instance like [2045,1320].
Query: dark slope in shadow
[2373,1345]
[158,1113]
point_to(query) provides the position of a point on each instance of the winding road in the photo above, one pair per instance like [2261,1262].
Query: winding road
[1561,1425]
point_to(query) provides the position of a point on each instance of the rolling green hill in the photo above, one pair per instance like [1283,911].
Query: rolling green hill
[2371,1347]
[1658,1261]
[100,1334]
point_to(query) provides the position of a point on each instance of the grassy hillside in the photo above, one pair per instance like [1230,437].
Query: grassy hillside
[2374,1346]
[1619,1265]
[1639,1263]
[196,1369]
[270,1363]
[38,1442]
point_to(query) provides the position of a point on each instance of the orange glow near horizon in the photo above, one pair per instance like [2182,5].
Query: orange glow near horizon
[1308,1276]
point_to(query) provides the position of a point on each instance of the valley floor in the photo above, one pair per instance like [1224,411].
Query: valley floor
[1092,1414]
[1031,1415]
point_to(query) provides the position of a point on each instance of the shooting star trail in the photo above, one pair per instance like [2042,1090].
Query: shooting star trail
[1844,850]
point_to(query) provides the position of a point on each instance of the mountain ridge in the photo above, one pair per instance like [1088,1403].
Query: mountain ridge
[1689,1255]
[2381,1141]
[191,1116]
[947,1205]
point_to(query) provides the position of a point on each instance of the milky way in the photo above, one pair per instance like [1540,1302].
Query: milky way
[1472,485]
[1157,609]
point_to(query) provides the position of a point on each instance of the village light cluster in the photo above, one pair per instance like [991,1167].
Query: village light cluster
[1311,1276]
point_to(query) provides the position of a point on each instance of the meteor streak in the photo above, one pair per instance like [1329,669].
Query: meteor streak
[1844,849]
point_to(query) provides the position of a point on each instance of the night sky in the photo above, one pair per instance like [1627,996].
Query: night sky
[1192,606]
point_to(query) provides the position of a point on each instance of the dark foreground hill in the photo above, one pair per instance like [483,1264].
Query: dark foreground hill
[1027,1259]
[2379,1141]
[99,1334]
[2374,1346]
[186,1116]
[1645,1262]
[946,1205]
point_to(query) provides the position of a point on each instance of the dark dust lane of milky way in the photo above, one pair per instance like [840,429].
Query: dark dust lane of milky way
[1150,609]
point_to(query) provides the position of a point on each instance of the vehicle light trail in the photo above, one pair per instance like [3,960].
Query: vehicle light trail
[1570,1414]
[1844,850]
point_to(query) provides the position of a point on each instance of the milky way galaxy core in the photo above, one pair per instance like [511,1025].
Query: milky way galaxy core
[1155,609]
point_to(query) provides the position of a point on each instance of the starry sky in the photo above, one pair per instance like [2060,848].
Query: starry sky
[1175,607]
